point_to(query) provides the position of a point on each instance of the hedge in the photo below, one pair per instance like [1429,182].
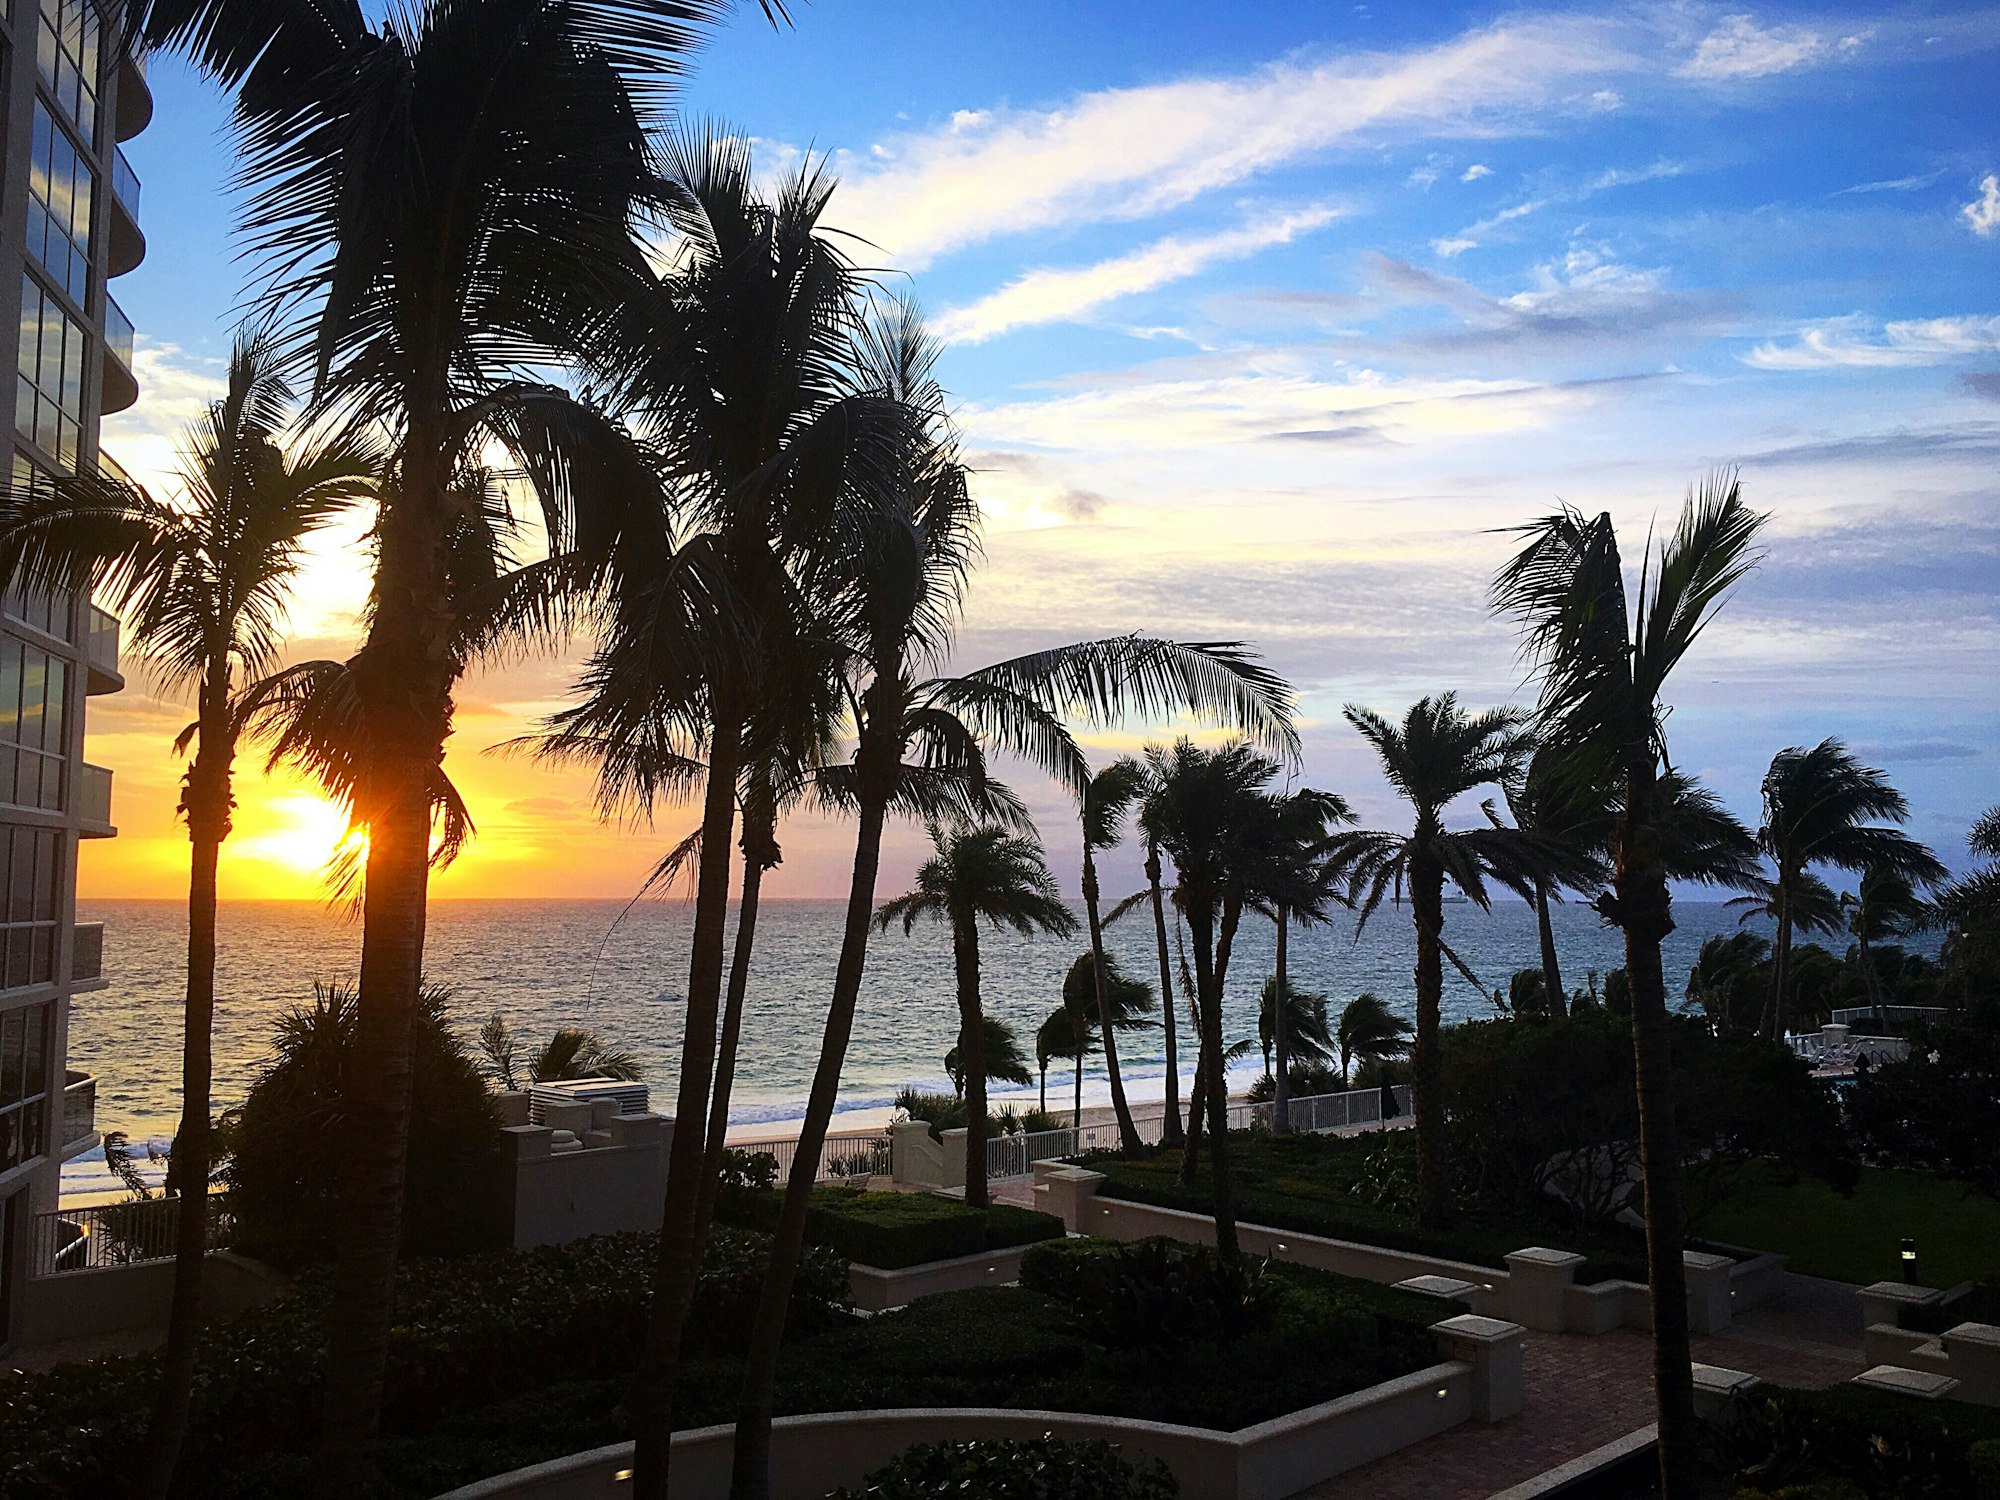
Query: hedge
[1038,1469]
[892,1230]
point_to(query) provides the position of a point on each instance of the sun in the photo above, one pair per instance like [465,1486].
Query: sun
[298,832]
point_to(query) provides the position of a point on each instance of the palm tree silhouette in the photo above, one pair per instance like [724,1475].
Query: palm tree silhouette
[1604,662]
[1299,886]
[203,584]
[1818,804]
[979,875]
[1368,1031]
[1885,905]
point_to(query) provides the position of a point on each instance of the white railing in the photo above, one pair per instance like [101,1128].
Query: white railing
[1887,1015]
[1016,1155]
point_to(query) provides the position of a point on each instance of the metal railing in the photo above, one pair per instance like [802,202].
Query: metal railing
[100,637]
[1886,1015]
[86,952]
[117,1234]
[93,794]
[118,332]
[1016,1155]
[842,1156]
[79,1108]
[125,182]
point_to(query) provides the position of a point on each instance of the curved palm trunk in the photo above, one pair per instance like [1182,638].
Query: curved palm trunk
[1170,1124]
[971,1052]
[1210,959]
[754,854]
[1642,906]
[1552,979]
[207,806]
[1128,1133]
[404,675]
[1281,1082]
[751,1476]
[679,1256]
[1777,1005]
[1426,1057]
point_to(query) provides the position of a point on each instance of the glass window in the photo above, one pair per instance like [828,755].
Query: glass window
[48,403]
[24,1055]
[48,613]
[68,54]
[34,688]
[31,870]
[61,188]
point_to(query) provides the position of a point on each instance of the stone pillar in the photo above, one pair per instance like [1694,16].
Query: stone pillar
[954,1157]
[1709,1291]
[1884,1301]
[1974,1352]
[1070,1193]
[511,1105]
[1717,1389]
[1538,1279]
[1493,1349]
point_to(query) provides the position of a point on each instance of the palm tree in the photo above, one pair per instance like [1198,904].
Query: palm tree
[1004,1062]
[1299,886]
[1106,798]
[1818,807]
[1307,1024]
[1368,1031]
[1969,911]
[1604,671]
[446,196]
[1127,1002]
[203,584]
[1437,754]
[570,1052]
[975,875]
[1544,802]
[1067,1033]
[1885,905]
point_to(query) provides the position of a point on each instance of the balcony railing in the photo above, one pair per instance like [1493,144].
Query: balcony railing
[120,386]
[93,800]
[125,182]
[100,645]
[118,1234]
[79,1115]
[118,332]
[86,952]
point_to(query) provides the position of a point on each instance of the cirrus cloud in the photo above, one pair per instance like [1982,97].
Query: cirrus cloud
[1852,343]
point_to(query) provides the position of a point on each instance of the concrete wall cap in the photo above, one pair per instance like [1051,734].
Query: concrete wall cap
[1697,1260]
[1897,1291]
[1475,1329]
[1986,1335]
[1541,1255]
[1716,1378]
[1919,1383]
[1446,1287]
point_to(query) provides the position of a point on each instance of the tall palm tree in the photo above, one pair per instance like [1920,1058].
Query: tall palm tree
[203,583]
[1544,802]
[1437,754]
[894,611]
[1819,809]
[979,875]
[444,198]
[1106,798]
[1969,911]
[1604,662]
[1128,1003]
[1368,1031]
[1068,1032]
[1885,905]
[1300,887]
[1308,1025]
[1000,1057]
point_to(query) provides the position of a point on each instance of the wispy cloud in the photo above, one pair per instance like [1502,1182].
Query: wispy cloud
[1132,152]
[1854,342]
[1893,184]
[1739,48]
[1474,172]
[1982,214]
[1473,235]
[1048,296]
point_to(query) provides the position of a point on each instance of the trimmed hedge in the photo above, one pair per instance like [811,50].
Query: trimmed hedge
[890,1231]
[1039,1469]
[1318,1184]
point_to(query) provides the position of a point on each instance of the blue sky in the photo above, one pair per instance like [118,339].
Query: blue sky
[1263,317]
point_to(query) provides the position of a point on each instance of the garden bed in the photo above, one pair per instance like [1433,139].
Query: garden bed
[892,1231]
[1335,1187]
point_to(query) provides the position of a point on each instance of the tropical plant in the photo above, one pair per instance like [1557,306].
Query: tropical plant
[1368,1031]
[1884,905]
[1727,981]
[203,582]
[1107,796]
[1604,662]
[1072,1031]
[1437,754]
[1969,911]
[979,875]
[570,1052]
[1065,1033]
[1544,802]
[1298,887]
[444,198]
[1003,1060]
[1307,1025]
[1818,804]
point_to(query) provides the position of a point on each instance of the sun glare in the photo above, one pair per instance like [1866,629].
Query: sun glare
[303,833]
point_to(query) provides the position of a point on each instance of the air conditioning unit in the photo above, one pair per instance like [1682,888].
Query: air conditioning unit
[631,1097]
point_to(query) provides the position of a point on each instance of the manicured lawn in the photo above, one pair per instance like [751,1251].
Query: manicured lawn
[1858,1239]
[1323,1185]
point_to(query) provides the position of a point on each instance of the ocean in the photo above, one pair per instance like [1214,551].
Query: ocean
[622,973]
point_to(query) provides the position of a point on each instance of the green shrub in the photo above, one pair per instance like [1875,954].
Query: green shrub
[1886,1447]
[1039,1469]
[894,1230]
[1983,1458]
[1157,1292]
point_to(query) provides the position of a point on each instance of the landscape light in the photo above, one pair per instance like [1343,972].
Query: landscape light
[1909,1260]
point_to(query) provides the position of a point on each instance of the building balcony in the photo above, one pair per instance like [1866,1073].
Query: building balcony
[100,650]
[93,801]
[121,386]
[135,96]
[128,241]
[79,1114]
[86,956]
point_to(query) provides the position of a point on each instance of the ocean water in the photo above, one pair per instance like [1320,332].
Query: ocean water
[622,974]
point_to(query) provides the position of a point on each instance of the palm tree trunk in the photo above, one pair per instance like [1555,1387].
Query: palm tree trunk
[732,1030]
[1781,962]
[1871,982]
[1552,979]
[207,805]
[1076,1076]
[1426,1058]
[971,1052]
[1170,1124]
[751,1476]
[1281,1083]
[679,1255]
[1128,1133]
[403,675]
[1042,1096]
[1643,908]
[1215,1089]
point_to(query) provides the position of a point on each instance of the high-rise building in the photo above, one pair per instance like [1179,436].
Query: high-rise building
[69,224]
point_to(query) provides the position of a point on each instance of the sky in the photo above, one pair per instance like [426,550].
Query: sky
[1264,320]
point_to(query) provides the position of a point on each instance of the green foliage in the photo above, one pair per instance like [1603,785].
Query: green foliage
[282,1192]
[1884,1447]
[570,1052]
[1005,1062]
[1939,1108]
[893,1230]
[1039,1469]
[1156,1293]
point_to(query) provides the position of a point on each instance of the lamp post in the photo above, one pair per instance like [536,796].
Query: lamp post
[1909,1260]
